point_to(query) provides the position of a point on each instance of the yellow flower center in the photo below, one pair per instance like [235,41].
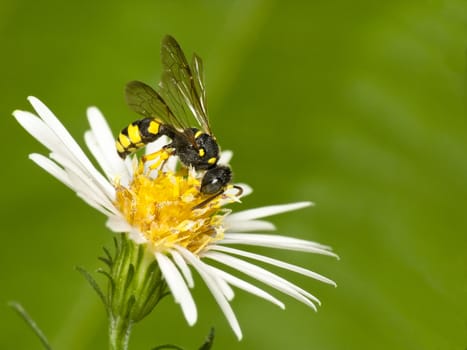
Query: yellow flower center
[169,209]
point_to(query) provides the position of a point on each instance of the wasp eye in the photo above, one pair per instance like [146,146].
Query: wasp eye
[215,179]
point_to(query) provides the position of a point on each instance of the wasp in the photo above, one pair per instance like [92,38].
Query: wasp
[180,98]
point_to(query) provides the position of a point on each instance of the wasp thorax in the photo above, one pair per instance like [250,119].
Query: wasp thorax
[203,155]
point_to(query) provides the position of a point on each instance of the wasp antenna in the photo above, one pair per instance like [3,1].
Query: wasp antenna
[239,189]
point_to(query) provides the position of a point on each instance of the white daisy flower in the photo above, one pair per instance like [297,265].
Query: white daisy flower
[160,210]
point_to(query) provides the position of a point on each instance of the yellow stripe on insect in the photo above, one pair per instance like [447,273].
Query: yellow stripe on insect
[134,134]
[124,140]
[201,152]
[212,160]
[198,134]
[154,127]
[119,146]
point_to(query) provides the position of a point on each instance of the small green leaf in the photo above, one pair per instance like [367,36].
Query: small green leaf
[105,261]
[117,246]
[111,280]
[131,303]
[107,254]
[207,345]
[130,275]
[93,283]
[25,316]
[167,346]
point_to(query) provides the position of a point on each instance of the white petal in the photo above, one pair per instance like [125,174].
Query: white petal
[38,129]
[262,212]
[118,224]
[129,165]
[250,225]
[178,288]
[275,262]
[157,145]
[171,164]
[95,150]
[225,157]
[277,241]
[223,286]
[183,267]
[93,204]
[248,287]
[114,169]
[215,290]
[106,143]
[43,132]
[137,237]
[97,140]
[52,168]
[69,143]
[85,184]
[266,277]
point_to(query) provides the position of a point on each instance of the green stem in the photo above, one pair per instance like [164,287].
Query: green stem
[135,286]
[119,333]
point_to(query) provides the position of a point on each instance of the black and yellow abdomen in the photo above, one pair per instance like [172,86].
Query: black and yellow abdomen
[137,135]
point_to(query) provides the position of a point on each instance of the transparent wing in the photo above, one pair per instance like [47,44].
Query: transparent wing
[144,100]
[182,85]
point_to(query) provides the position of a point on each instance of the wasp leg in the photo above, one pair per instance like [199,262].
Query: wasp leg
[206,201]
[160,158]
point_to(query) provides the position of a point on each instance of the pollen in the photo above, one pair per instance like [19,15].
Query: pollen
[168,209]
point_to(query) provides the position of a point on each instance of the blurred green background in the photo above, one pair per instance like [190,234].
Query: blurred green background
[356,105]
